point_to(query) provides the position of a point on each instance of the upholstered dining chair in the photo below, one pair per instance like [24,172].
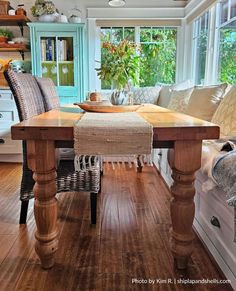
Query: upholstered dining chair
[34,96]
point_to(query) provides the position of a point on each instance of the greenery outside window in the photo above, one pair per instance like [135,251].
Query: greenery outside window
[200,41]
[227,44]
[158,52]
[158,49]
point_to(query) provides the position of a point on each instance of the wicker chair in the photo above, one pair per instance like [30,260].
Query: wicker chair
[34,96]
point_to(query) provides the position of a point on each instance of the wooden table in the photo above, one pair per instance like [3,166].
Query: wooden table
[181,133]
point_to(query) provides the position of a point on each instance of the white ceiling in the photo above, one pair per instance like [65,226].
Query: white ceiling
[129,3]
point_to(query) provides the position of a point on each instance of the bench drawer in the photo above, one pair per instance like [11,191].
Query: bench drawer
[211,211]
[7,116]
[6,95]
[9,146]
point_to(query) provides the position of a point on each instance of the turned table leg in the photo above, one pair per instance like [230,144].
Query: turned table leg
[41,160]
[184,159]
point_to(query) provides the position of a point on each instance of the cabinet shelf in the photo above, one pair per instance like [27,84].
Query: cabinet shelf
[59,62]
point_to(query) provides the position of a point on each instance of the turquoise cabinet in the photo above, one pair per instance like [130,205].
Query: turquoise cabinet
[57,51]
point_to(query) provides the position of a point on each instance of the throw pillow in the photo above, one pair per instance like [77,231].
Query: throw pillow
[49,93]
[225,115]
[166,90]
[179,100]
[204,101]
[165,95]
[146,95]
[183,85]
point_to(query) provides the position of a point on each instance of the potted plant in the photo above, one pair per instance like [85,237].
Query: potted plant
[5,35]
[44,10]
[120,67]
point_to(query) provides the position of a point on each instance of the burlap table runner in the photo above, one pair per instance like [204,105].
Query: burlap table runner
[118,134]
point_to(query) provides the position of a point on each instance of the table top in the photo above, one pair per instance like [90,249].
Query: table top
[167,125]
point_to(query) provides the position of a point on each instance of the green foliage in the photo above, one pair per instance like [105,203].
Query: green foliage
[42,7]
[120,64]
[6,33]
[227,58]
[158,63]
[157,54]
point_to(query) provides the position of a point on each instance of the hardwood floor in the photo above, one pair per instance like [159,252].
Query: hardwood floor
[129,243]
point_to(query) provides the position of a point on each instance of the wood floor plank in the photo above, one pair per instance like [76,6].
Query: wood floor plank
[130,240]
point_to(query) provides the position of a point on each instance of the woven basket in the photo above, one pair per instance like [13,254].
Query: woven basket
[4,7]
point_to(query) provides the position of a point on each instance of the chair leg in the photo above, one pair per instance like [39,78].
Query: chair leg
[23,211]
[100,182]
[93,206]
[139,168]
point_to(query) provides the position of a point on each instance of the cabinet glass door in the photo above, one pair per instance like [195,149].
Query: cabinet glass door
[57,60]
[65,61]
[49,58]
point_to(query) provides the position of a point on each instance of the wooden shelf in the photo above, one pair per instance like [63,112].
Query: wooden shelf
[6,47]
[14,49]
[11,20]
[20,48]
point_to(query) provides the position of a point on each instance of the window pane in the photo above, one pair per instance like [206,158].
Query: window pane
[233,9]
[201,58]
[145,34]
[227,53]
[157,35]
[201,40]
[224,11]
[105,34]
[158,63]
[129,34]
[117,34]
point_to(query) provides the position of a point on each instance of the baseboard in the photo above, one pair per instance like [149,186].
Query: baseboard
[167,181]
[214,254]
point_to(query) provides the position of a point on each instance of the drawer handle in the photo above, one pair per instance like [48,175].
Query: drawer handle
[159,154]
[2,141]
[215,221]
[1,116]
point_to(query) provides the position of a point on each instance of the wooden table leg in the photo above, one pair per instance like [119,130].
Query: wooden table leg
[184,159]
[41,160]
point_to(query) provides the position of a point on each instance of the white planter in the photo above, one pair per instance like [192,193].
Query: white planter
[118,97]
[48,17]
[74,19]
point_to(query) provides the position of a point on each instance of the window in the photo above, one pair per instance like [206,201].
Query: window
[114,35]
[200,41]
[158,55]
[227,43]
[158,52]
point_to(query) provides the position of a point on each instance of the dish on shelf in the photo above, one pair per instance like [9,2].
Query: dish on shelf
[107,108]
[22,40]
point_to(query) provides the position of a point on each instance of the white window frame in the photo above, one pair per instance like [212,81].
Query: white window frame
[194,48]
